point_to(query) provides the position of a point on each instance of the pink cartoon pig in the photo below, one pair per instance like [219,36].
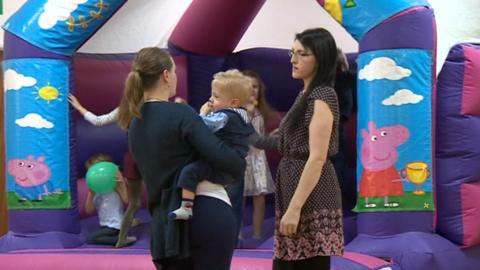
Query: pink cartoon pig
[378,156]
[31,178]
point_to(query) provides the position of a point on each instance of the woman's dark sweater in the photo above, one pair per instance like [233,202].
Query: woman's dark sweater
[166,138]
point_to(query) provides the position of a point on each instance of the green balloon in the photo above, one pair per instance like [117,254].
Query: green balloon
[102,177]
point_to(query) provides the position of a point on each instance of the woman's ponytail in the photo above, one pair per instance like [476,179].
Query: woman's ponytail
[131,101]
[148,66]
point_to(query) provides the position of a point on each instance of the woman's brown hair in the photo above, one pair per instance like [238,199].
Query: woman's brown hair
[148,65]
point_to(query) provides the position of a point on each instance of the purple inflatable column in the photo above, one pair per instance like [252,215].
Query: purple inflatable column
[214,27]
[208,31]
[396,66]
[407,41]
[40,39]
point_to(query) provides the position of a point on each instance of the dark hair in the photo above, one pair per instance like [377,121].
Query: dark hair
[97,158]
[342,62]
[322,44]
[148,65]
[265,109]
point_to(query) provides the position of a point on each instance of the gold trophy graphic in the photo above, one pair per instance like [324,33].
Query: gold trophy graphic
[416,172]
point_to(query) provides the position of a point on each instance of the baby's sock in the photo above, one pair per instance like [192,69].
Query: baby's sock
[184,212]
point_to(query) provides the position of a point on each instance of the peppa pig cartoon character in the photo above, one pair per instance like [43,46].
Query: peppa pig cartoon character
[31,178]
[378,156]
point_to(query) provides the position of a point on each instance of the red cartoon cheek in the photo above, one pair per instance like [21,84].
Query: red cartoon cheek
[39,175]
[365,152]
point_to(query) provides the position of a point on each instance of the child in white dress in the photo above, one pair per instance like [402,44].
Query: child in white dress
[258,178]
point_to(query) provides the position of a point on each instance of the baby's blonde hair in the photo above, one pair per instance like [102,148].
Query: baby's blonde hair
[235,83]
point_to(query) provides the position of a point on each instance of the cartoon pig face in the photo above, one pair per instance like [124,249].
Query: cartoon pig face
[29,172]
[379,146]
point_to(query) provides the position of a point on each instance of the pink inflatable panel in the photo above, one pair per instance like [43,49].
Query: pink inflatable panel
[471,82]
[471,214]
[243,263]
[371,262]
[76,261]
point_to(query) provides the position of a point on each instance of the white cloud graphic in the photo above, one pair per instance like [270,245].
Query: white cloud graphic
[401,97]
[15,81]
[383,68]
[57,10]
[34,120]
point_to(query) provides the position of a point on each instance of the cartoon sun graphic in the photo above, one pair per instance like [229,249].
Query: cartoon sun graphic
[48,93]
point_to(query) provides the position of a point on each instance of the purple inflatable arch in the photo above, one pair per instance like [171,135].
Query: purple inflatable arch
[38,48]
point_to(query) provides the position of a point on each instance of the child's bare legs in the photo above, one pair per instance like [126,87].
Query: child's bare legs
[185,210]
[134,188]
[258,215]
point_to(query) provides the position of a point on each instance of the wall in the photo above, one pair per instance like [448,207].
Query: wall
[156,19]
[9,7]
[456,23]
[278,21]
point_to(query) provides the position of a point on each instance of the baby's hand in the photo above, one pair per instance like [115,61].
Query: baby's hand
[206,108]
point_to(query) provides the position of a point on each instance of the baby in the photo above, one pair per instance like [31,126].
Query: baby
[226,116]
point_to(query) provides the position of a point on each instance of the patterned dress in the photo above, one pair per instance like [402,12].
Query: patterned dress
[258,178]
[319,232]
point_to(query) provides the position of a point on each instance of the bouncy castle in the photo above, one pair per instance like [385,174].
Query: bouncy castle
[414,154]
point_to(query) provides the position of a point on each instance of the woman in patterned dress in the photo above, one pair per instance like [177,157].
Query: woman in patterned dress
[308,210]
